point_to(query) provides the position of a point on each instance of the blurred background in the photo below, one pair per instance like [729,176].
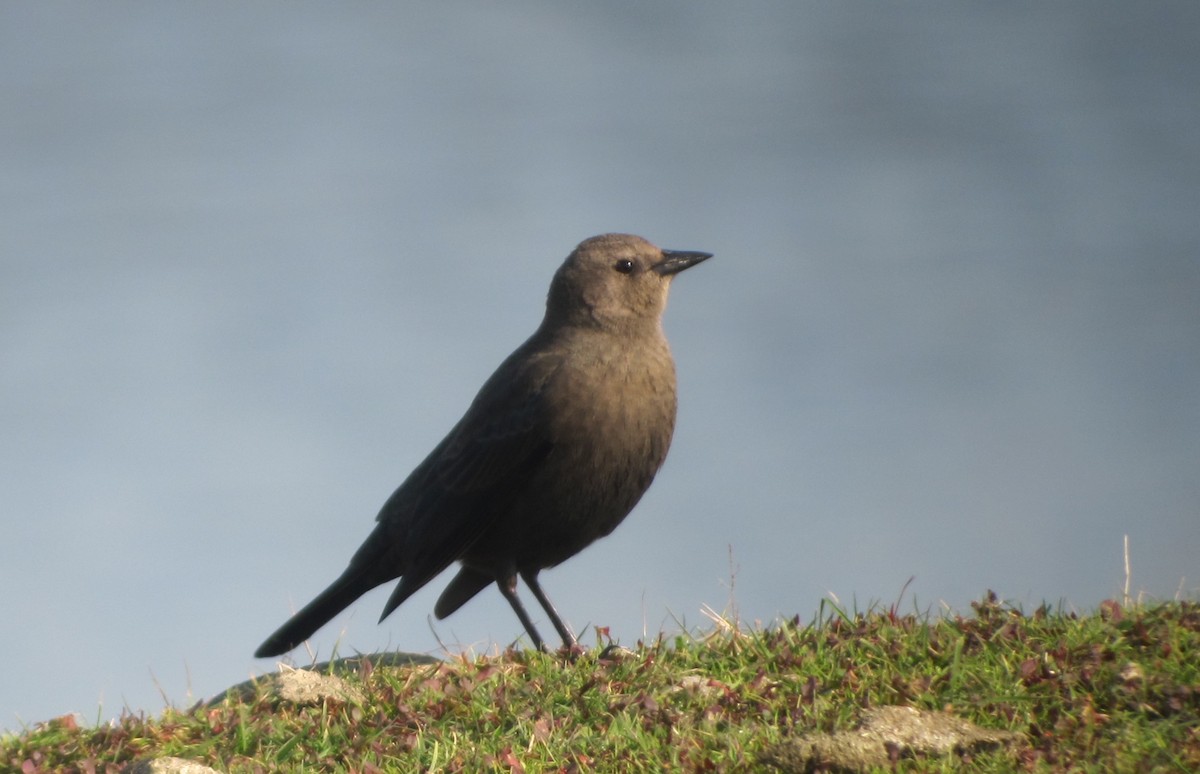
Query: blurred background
[256,259]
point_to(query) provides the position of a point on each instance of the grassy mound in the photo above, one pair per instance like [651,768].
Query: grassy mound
[1116,690]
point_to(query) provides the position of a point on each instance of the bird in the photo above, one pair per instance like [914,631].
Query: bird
[553,453]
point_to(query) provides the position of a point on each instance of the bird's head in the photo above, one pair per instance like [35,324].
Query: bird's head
[616,281]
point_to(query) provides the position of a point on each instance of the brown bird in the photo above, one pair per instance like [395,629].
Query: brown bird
[556,449]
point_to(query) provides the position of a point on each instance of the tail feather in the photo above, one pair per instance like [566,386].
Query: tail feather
[315,614]
[462,588]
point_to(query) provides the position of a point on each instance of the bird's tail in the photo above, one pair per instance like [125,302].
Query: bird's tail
[333,600]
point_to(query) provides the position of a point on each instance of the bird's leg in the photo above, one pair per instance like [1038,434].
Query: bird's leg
[530,578]
[508,587]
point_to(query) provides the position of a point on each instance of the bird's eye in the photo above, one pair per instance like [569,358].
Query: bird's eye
[624,266]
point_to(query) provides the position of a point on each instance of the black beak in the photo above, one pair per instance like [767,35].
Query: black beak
[675,261]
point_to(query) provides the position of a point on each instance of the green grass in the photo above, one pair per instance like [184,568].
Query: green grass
[1115,690]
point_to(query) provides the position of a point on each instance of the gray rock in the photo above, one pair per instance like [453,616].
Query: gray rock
[168,766]
[314,684]
[884,734]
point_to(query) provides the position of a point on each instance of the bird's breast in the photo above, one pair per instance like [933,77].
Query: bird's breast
[619,403]
[611,418]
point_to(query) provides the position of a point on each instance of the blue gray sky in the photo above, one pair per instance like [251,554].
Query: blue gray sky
[255,260]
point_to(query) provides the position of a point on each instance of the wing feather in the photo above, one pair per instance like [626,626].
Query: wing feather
[467,482]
